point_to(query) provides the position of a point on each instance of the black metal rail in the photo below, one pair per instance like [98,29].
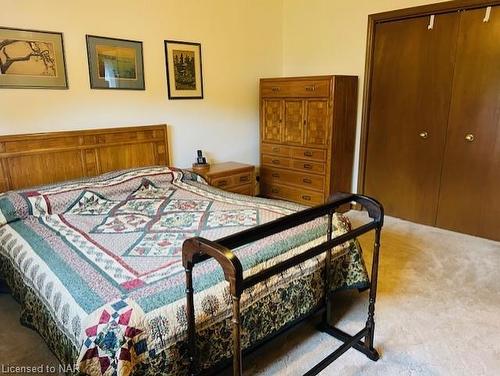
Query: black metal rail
[196,250]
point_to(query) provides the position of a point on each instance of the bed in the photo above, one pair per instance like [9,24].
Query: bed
[98,266]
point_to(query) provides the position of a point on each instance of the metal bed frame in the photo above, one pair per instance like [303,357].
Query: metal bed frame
[196,250]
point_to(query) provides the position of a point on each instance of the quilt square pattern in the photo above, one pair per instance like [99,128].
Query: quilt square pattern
[178,221]
[186,205]
[163,244]
[114,339]
[141,206]
[149,191]
[229,218]
[91,203]
[123,223]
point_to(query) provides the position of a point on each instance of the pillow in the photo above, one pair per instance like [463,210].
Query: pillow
[12,207]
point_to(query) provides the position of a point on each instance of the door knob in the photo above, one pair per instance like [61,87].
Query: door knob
[424,135]
[469,137]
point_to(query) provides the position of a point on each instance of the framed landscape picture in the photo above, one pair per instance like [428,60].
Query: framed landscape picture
[184,77]
[115,63]
[32,59]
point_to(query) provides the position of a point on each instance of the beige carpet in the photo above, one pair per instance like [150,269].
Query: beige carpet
[438,313]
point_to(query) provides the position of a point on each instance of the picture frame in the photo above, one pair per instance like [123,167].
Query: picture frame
[116,64]
[32,59]
[184,70]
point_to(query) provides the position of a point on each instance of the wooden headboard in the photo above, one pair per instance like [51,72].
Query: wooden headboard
[42,158]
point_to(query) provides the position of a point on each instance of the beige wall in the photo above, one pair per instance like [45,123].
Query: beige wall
[241,41]
[329,37]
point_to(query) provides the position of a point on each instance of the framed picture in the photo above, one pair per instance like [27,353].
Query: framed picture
[115,63]
[184,77]
[32,59]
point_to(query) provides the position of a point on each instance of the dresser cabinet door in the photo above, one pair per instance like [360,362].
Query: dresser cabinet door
[294,122]
[317,122]
[272,113]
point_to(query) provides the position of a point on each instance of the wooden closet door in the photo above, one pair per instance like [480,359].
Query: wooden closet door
[272,130]
[470,186]
[317,122]
[410,98]
[294,121]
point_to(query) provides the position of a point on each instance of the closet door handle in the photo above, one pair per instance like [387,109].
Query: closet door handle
[424,135]
[469,137]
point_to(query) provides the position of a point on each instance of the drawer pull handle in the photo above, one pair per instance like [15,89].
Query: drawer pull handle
[308,153]
[307,166]
[276,150]
[244,178]
[275,175]
[275,88]
[311,88]
[275,161]
[221,183]
[275,190]
[307,181]
[307,198]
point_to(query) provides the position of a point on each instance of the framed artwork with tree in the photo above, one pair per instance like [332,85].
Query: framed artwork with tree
[184,76]
[32,59]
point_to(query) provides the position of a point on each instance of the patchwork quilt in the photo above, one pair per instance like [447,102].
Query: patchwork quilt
[101,258]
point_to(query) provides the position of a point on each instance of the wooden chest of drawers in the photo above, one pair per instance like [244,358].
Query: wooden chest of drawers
[231,176]
[307,130]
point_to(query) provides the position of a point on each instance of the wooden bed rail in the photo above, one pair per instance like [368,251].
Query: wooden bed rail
[196,250]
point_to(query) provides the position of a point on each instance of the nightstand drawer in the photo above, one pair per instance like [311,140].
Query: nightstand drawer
[231,176]
[245,178]
[222,182]
[228,181]
[299,179]
[242,190]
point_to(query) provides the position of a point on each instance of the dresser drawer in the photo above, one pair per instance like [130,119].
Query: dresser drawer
[308,166]
[299,179]
[295,88]
[302,196]
[309,154]
[271,160]
[281,150]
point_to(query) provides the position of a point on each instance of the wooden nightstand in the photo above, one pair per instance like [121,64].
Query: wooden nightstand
[231,176]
